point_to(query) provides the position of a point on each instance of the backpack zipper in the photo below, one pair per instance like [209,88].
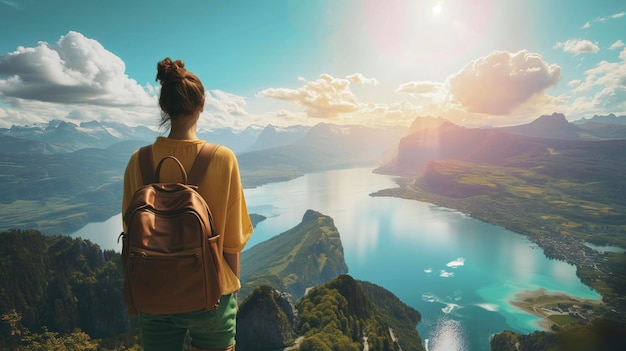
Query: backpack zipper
[144,257]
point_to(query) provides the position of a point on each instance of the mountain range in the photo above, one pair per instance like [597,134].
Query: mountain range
[607,119]
[64,136]
[55,190]
[557,181]
[56,177]
[324,146]
[61,136]
[446,140]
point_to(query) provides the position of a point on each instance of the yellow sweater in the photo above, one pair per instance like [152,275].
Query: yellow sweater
[221,188]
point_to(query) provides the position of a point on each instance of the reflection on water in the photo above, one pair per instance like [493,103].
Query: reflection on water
[448,335]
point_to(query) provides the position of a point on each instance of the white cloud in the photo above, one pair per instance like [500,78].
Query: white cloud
[227,110]
[226,103]
[610,79]
[616,45]
[77,79]
[419,88]
[578,46]
[74,70]
[326,97]
[20,116]
[360,79]
[26,112]
[508,89]
[501,81]
[607,84]
[397,113]
[604,19]
[432,98]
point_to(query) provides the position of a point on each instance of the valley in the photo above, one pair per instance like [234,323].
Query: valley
[561,193]
[52,183]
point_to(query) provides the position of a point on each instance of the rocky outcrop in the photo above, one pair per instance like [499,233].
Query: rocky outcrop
[266,320]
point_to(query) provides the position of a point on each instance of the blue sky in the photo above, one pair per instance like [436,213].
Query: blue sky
[476,63]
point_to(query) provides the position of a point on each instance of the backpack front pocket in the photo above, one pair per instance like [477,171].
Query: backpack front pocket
[167,282]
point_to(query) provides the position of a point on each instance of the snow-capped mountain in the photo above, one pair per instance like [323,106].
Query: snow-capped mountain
[62,136]
[66,136]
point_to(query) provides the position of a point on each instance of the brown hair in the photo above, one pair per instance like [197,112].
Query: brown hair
[182,92]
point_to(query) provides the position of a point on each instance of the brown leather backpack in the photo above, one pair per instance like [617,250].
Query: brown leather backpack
[170,250]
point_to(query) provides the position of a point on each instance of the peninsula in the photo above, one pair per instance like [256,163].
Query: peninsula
[556,308]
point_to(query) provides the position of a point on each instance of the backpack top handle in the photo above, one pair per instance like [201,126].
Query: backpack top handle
[157,173]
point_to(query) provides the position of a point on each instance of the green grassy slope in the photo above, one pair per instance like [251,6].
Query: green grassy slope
[309,254]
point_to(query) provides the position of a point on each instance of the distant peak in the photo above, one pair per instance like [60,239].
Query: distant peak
[610,115]
[447,125]
[88,124]
[426,122]
[552,117]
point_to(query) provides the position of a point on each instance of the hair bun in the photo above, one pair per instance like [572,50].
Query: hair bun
[170,71]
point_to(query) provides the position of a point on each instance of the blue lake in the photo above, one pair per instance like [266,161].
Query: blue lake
[458,272]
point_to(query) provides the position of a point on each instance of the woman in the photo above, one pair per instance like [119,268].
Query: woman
[181,101]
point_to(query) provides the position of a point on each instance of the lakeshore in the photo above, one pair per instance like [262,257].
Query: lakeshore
[560,238]
[556,308]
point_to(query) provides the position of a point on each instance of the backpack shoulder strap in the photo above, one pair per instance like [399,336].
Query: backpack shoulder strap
[201,163]
[146,164]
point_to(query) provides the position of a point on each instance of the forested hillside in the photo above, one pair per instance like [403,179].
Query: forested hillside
[348,315]
[57,290]
[58,284]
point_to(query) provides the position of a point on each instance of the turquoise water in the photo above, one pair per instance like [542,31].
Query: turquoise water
[460,273]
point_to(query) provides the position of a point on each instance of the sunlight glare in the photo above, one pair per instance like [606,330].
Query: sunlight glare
[437,8]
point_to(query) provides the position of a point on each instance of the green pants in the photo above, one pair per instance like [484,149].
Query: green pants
[208,330]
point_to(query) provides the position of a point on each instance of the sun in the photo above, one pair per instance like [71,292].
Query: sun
[437,8]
